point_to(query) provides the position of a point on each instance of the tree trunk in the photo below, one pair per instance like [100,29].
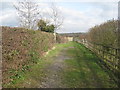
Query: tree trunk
[54,36]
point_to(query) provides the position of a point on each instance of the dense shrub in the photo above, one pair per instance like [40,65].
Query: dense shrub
[45,26]
[104,34]
[22,48]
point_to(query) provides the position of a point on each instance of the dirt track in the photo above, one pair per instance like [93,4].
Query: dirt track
[54,79]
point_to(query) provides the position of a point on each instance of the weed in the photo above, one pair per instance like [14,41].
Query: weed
[11,54]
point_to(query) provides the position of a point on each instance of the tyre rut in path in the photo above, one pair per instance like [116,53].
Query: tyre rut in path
[54,79]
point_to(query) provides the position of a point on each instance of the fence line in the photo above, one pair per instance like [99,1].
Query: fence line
[109,57]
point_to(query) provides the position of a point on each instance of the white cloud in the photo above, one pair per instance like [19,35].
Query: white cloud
[8,18]
[75,20]
[81,21]
[63,0]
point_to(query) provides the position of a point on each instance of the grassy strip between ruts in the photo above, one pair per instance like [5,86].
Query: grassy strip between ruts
[82,70]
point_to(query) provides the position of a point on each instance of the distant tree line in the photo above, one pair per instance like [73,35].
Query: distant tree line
[105,34]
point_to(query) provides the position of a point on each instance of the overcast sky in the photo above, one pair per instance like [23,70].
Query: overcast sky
[80,15]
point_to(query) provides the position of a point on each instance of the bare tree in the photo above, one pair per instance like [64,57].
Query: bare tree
[56,17]
[28,13]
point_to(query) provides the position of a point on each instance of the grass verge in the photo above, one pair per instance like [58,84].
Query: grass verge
[82,70]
